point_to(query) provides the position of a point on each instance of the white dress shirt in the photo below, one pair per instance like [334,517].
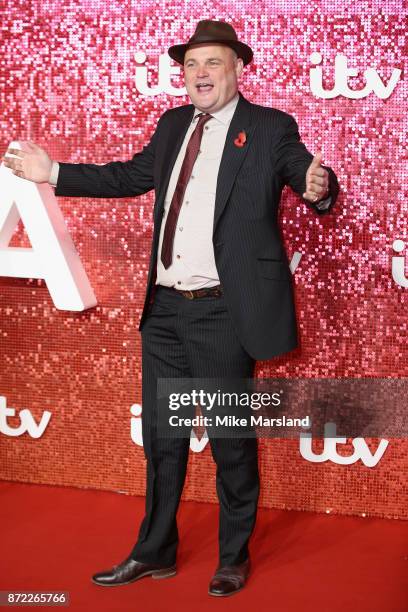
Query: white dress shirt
[193,265]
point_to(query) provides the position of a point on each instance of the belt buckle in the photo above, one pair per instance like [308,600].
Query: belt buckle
[190,294]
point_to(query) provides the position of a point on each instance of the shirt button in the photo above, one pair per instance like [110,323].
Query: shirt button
[180,229]
[206,127]
[178,256]
[187,202]
[179,282]
[192,176]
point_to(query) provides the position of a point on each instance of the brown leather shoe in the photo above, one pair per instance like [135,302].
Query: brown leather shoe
[129,571]
[229,579]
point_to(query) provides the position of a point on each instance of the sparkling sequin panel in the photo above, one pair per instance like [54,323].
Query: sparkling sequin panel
[72,80]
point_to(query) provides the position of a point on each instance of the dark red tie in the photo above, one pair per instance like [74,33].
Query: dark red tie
[189,159]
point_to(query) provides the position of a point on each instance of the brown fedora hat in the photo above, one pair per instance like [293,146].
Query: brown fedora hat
[213,32]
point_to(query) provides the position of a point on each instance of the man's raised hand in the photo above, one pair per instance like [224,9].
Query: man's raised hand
[32,163]
[317,180]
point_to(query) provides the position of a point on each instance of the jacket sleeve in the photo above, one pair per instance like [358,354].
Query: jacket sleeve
[113,180]
[293,160]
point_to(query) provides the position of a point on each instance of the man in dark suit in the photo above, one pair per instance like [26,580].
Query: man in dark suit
[219,293]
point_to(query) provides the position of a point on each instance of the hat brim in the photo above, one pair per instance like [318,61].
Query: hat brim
[243,51]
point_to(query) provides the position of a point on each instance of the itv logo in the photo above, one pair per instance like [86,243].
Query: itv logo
[27,422]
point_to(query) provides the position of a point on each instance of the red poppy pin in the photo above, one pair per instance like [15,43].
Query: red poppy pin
[240,140]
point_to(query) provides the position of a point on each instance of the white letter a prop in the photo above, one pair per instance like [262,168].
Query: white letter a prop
[53,256]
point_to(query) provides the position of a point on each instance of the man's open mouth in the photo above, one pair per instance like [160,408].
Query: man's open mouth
[203,87]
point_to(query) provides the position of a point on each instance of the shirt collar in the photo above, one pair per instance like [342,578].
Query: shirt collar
[224,115]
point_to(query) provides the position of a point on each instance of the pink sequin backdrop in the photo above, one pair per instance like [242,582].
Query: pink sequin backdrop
[67,82]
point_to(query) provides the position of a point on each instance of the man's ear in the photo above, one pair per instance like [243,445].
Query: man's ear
[239,66]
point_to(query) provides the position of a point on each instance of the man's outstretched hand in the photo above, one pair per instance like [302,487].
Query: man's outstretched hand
[317,180]
[33,163]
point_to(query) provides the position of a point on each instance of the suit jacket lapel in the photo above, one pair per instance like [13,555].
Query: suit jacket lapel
[233,156]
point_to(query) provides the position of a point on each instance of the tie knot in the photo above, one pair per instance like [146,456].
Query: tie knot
[203,118]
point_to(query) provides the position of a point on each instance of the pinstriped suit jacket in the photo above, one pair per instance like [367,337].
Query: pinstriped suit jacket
[249,254]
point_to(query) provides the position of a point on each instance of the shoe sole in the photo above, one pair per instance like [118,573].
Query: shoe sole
[157,575]
[225,594]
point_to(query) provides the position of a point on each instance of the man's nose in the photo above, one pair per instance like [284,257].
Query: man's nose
[202,71]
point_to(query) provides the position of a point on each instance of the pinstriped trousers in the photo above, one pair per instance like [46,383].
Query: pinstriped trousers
[184,338]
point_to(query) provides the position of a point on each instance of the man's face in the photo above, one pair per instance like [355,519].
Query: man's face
[211,75]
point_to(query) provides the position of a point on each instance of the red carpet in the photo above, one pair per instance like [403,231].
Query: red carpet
[55,538]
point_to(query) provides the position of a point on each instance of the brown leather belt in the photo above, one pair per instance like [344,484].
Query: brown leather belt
[198,293]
